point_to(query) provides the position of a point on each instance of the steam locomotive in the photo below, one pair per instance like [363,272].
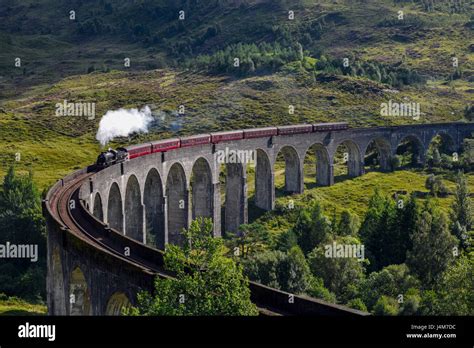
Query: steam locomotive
[111,156]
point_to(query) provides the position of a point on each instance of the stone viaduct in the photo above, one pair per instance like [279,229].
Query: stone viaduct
[150,199]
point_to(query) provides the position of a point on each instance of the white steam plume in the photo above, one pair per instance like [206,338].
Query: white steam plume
[122,122]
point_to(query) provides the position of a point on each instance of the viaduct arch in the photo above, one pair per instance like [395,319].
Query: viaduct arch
[133,210]
[201,189]
[115,208]
[97,209]
[177,194]
[293,170]
[150,199]
[153,202]
[324,168]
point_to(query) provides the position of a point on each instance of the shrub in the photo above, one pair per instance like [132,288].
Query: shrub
[357,303]
[386,306]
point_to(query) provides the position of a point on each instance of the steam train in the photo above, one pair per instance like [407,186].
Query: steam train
[111,156]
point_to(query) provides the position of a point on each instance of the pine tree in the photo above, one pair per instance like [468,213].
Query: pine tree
[375,222]
[295,275]
[402,227]
[432,248]
[386,230]
[312,227]
[348,224]
[461,214]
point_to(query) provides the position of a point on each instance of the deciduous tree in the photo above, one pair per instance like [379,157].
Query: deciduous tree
[205,283]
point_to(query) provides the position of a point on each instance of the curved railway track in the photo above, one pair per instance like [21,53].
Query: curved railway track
[67,213]
[64,206]
[80,226]
[68,210]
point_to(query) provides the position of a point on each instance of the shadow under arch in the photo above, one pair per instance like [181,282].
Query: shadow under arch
[79,294]
[351,158]
[117,303]
[201,189]
[317,155]
[97,209]
[293,177]
[133,210]
[411,150]
[378,152]
[153,203]
[444,142]
[177,196]
[263,181]
[115,208]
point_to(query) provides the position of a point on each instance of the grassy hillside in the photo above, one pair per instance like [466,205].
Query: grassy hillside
[82,60]
[149,32]
[16,306]
[350,194]
[53,146]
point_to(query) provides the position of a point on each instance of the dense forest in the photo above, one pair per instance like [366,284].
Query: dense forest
[417,260]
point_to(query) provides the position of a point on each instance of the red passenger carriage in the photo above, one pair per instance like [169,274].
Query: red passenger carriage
[260,132]
[226,136]
[297,129]
[135,151]
[165,145]
[194,140]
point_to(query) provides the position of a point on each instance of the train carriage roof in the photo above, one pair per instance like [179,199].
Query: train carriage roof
[164,141]
[259,129]
[227,132]
[295,126]
[198,136]
[138,147]
[331,124]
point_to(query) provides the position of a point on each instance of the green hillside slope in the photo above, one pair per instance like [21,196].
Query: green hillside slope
[283,62]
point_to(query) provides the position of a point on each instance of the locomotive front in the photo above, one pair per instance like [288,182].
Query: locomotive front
[110,157]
